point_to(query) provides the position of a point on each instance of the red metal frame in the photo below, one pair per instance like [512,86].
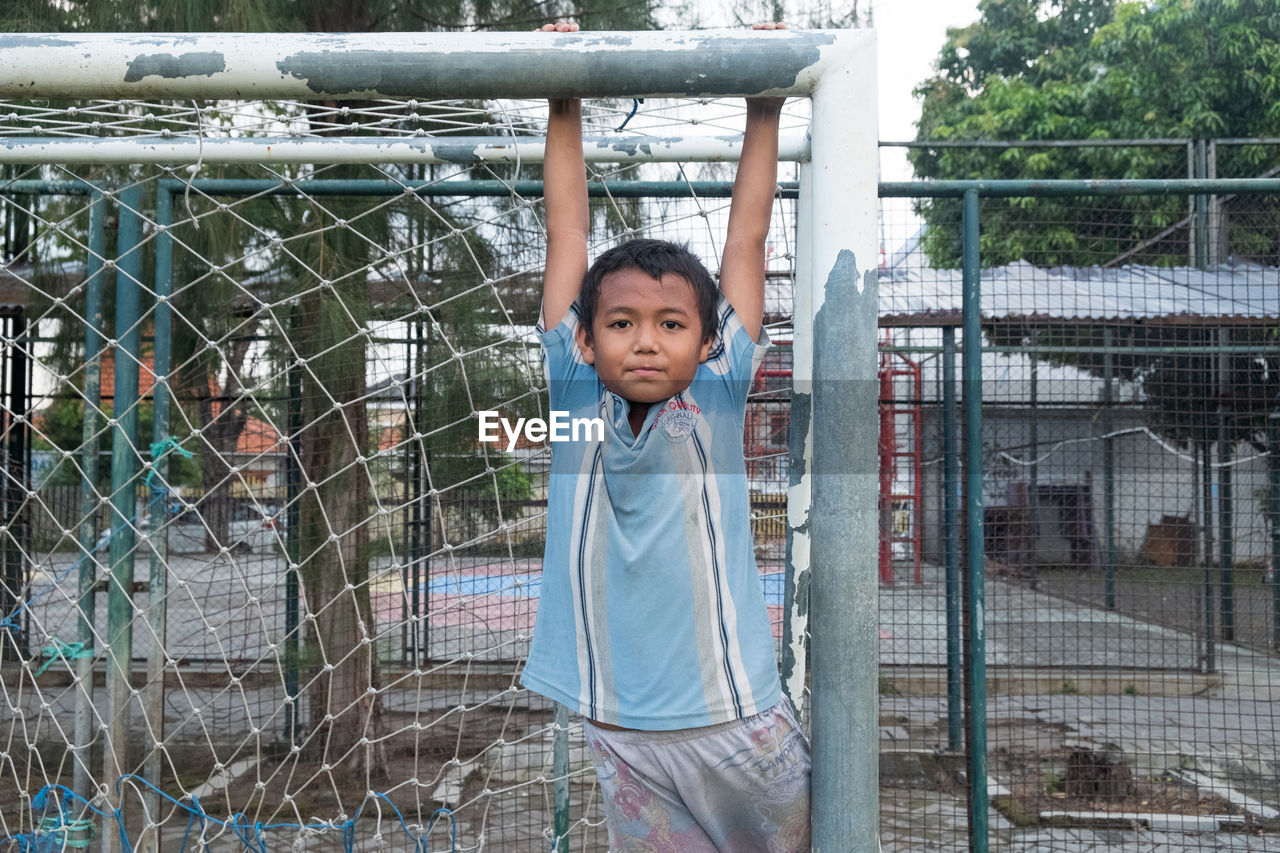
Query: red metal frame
[893,494]
[893,411]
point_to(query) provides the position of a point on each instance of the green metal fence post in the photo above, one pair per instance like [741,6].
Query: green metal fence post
[1204,447]
[951,532]
[972,309]
[1033,475]
[1226,508]
[1109,465]
[1273,513]
[560,770]
[89,499]
[126,354]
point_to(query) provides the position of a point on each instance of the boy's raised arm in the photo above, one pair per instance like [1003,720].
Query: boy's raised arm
[568,221]
[742,266]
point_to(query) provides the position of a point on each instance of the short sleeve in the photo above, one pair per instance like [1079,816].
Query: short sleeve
[568,375]
[734,355]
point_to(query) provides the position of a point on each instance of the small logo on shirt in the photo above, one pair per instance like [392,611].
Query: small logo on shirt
[678,420]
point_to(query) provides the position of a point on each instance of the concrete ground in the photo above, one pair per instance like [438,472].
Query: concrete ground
[1060,675]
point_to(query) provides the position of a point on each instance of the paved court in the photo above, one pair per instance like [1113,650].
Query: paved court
[1049,661]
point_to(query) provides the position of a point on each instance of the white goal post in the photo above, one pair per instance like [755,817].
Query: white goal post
[832,497]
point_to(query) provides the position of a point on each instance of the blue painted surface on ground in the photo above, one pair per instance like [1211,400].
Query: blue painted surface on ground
[528,585]
[521,585]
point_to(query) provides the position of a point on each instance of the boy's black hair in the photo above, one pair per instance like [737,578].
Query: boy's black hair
[655,258]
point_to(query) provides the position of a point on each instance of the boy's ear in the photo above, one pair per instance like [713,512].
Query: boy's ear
[705,351]
[585,344]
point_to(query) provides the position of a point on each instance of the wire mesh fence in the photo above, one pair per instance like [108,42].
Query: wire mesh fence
[1128,403]
[331,582]
[349,578]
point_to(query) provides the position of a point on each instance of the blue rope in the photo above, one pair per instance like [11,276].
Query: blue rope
[61,651]
[251,835]
[192,814]
[158,451]
[635,105]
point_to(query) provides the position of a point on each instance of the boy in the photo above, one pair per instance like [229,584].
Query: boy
[651,619]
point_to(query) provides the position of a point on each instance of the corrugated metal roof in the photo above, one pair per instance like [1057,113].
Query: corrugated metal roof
[1235,294]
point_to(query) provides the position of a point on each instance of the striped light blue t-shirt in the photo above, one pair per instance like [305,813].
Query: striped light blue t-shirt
[651,613]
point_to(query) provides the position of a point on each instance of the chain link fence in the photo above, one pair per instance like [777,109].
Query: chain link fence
[1119,396]
[338,530]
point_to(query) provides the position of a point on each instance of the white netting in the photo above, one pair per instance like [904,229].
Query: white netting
[409,118]
[336,590]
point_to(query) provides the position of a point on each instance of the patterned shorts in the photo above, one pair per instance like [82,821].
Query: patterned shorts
[737,787]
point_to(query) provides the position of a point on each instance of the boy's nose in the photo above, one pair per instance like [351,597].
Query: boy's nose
[646,338]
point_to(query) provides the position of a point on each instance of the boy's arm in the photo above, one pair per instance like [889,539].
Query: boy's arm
[568,222]
[742,266]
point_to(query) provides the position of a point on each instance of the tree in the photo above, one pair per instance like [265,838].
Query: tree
[324,276]
[1096,69]
[1101,69]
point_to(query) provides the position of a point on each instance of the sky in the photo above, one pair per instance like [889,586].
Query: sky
[909,34]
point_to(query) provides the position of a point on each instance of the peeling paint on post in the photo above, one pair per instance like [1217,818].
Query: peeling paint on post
[628,64]
[844,524]
[173,67]
[304,66]
[843,605]
[795,626]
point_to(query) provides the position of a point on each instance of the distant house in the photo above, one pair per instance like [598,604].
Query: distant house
[1045,434]
[260,452]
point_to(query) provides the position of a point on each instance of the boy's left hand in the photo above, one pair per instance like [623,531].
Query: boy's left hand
[767,104]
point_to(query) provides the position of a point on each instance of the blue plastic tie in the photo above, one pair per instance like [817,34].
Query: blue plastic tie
[63,651]
[158,450]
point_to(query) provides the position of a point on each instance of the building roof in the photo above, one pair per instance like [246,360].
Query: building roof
[258,436]
[912,294]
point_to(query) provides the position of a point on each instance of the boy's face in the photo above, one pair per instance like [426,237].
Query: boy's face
[646,339]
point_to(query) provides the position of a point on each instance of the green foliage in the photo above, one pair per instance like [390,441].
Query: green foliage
[60,426]
[1094,69]
[230,270]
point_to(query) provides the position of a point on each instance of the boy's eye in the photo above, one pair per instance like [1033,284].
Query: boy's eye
[671,324]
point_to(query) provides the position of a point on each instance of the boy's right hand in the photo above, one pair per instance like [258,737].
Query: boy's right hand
[567,214]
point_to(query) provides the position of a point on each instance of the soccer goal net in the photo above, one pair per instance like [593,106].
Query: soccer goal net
[260,584]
